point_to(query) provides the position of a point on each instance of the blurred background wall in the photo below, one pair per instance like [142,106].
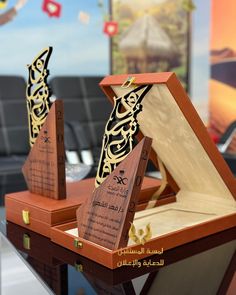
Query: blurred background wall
[79,48]
[82,48]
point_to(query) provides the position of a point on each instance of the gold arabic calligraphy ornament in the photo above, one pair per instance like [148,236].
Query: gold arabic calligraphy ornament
[122,126]
[38,93]
[140,237]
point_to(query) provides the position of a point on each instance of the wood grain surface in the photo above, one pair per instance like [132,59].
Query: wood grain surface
[44,169]
[106,216]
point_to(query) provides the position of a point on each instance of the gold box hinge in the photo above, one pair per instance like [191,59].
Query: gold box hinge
[26,216]
[128,82]
[78,244]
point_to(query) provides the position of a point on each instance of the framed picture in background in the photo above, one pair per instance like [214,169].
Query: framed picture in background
[222,91]
[153,36]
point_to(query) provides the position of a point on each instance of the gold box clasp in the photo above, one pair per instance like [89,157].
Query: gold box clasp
[128,82]
[79,267]
[26,241]
[78,244]
[26,216]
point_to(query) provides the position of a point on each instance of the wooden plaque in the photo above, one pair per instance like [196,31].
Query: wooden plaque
[44,169]
[106,216]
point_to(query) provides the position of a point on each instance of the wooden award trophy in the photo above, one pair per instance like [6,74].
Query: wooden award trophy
[46,202]
[44,169]
[106,216]
[204,185]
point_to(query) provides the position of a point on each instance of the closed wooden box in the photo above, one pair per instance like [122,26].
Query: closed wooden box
[43,212]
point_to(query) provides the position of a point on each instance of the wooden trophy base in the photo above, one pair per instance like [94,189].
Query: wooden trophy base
[43,212]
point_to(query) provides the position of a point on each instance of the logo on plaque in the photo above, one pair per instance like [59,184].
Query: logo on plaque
[120,179]
[140,236]
[45,138]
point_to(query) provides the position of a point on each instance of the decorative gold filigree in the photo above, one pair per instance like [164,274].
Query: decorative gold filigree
[37,93]
[122,126]
[140,237]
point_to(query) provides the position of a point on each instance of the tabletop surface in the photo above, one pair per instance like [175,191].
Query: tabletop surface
[207,266]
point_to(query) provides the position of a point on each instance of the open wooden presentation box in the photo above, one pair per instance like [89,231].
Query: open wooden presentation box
[206,187]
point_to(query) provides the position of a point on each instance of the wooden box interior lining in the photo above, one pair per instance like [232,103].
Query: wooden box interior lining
[189,210]
[176,144]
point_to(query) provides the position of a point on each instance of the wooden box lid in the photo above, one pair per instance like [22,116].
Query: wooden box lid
[180,138]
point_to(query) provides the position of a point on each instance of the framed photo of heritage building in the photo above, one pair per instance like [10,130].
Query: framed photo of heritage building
[153,36]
